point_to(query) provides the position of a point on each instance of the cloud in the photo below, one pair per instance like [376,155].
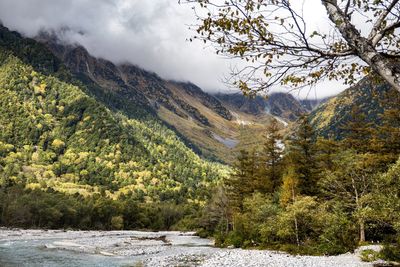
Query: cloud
[151,34]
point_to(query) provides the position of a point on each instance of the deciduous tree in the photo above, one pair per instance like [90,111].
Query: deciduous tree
[280,46]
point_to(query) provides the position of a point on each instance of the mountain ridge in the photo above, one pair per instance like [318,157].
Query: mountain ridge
[283,105]
[201,118]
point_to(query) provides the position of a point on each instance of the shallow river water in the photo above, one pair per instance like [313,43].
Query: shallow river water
[39,248]
[93,248]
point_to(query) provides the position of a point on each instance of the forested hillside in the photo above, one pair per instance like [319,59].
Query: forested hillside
[55,137]
[368,104]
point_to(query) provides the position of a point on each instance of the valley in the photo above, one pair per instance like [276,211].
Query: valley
[111,164]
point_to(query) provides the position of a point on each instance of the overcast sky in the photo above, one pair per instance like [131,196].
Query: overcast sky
[152,34]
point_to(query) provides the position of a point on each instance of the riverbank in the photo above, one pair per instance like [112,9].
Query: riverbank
[135,248]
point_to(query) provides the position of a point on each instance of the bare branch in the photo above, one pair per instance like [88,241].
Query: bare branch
[379,35]
[376,29]
[272,38]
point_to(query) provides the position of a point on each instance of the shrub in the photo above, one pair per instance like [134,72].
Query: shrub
[234,238]
[391,252]
[117,223]
[369,255]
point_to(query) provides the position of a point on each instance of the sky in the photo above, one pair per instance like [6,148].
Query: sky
[152,34]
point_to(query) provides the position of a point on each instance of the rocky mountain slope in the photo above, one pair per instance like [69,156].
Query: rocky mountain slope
[312,103]
[212,128]
[277,104]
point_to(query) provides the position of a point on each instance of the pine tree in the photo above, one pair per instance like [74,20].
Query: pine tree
[302,156]
[357,131]
[243,182]
[271,159]
[388,134]
[326,151]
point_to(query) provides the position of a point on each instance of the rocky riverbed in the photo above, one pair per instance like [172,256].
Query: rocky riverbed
[134,248]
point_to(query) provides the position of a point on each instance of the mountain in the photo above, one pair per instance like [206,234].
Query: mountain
[277,104]
[212,128]
[59,132]
[369,98]
[311,104]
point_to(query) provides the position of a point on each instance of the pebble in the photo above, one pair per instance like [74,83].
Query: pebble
[185,250]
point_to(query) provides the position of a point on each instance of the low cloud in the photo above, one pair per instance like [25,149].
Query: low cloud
[151,34]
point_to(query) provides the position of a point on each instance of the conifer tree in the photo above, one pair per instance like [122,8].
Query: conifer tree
[358,131]
[271,159]
[244,180]
[389,132]
[302,156]
[326,151]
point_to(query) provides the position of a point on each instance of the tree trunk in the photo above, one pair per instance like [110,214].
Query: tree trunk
[387,69]
[362,231]
[297,230]
[296,225]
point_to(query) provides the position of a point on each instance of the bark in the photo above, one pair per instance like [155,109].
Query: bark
[296,226]
[297,230]
[362,231]
[358,207]
[363,47]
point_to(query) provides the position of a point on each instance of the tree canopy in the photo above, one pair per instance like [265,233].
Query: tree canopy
[280,45]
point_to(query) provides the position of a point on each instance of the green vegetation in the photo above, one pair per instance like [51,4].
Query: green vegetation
[65,157]
[327,197]
[368,101]
[369,255]
[47,208]
[73,156]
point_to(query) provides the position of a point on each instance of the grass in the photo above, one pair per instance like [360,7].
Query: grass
[369,255]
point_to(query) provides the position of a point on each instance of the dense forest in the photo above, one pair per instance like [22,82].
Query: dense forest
[67,160]
[317,195]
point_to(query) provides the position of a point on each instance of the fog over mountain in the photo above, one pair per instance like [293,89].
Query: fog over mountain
[151,34]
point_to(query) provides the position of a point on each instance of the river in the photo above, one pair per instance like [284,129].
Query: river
[40,248]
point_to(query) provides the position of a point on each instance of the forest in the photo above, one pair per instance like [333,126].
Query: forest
[69,161]
[317,195]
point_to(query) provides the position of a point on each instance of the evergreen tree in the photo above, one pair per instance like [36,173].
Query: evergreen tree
[244,181]
[302,156]
[388,134]
[271,159]
[326,151]
[358,132]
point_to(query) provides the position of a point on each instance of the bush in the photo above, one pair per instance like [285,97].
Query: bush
[234,238]
[117,223]
[391,252]
[369,255]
